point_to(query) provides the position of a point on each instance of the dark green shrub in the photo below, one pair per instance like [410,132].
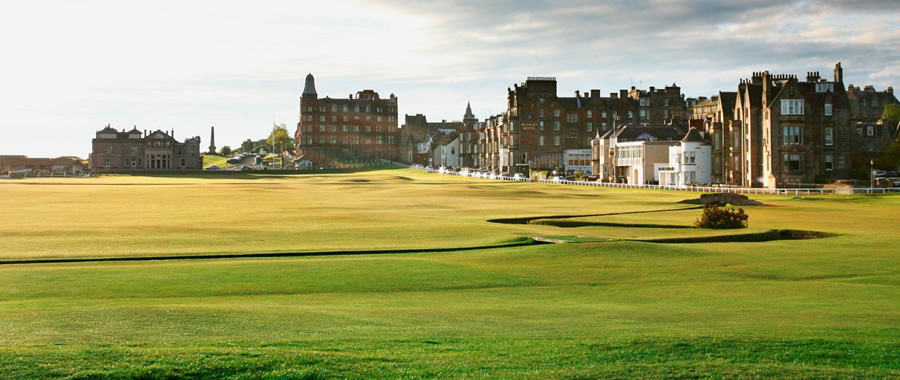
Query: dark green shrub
[721,218]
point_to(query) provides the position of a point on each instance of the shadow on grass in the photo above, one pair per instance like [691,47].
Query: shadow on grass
[517,242]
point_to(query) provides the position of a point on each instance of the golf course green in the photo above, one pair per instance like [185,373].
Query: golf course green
[398,273]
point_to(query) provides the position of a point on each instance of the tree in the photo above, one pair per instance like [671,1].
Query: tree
[891,114]
[225,151]
[247,145]
[283,140]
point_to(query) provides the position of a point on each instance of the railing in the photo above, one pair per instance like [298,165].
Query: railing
[704,189]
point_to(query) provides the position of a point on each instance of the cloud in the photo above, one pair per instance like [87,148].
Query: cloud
[76,66]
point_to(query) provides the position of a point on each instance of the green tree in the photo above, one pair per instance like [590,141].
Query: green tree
[247,145]
[225,151]
[282,138]
[891,114]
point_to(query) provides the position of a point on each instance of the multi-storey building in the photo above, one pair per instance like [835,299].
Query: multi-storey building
[787,131]
[633,153]
[115,150]
[540,126]
[340,130]
[418,137]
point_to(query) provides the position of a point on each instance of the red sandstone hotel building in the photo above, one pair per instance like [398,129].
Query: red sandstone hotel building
[334,131]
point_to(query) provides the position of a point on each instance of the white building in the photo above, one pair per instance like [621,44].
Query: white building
[633,153]
[447,153]
[577,160]
[690,162]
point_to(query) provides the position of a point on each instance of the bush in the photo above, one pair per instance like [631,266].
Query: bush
[721,218]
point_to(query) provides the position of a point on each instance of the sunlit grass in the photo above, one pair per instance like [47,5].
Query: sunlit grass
[602,307]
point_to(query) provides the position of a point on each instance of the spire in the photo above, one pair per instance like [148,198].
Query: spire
[310,87]
[469,115]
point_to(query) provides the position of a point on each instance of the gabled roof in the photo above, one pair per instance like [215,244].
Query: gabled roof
[693,136]
[642,132]
[727,99]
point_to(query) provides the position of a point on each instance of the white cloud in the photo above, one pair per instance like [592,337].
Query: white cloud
[71,67]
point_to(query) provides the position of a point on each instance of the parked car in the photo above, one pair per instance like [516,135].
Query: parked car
[212,167]
[519,177]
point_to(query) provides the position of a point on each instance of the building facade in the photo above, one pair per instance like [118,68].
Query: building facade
[690,162]
[333,131]
[132,150]
[539,126]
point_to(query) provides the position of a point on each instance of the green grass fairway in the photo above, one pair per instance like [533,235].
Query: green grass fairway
[611,304]
[209,159]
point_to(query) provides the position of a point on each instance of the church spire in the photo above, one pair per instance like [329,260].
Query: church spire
[469,115]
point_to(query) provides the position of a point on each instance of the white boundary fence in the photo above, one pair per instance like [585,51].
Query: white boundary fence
[705,189]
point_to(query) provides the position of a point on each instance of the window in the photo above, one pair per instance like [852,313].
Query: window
[541,100]
[345,108]
[541,125]
[556,140]
[590,127]
[346,140]
[791,136]
[321,139]
[870,130]
[322,118]
[822,87]
[380,119]
[792,107]
[345,118]
[369,128]
[334,108]
[108,150]
[541,141]
[645,102]
[827,109]
[829,162]
[571,117]
[792,162]
[829,136]
[690,158]
[333,118]
[540,112]
[859,131]
[590,114]
[603,125]
[556,126]
[643,114]
[603,114]
[345,128]
[334,139]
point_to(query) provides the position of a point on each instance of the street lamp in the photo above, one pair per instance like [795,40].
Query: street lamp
[871,174]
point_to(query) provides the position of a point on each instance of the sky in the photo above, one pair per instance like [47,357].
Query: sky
[69,68]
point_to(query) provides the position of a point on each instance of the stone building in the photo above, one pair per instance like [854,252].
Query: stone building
[539,126]
[121,150]
[418,138]
[332,131]
[779,130]
[14,163]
